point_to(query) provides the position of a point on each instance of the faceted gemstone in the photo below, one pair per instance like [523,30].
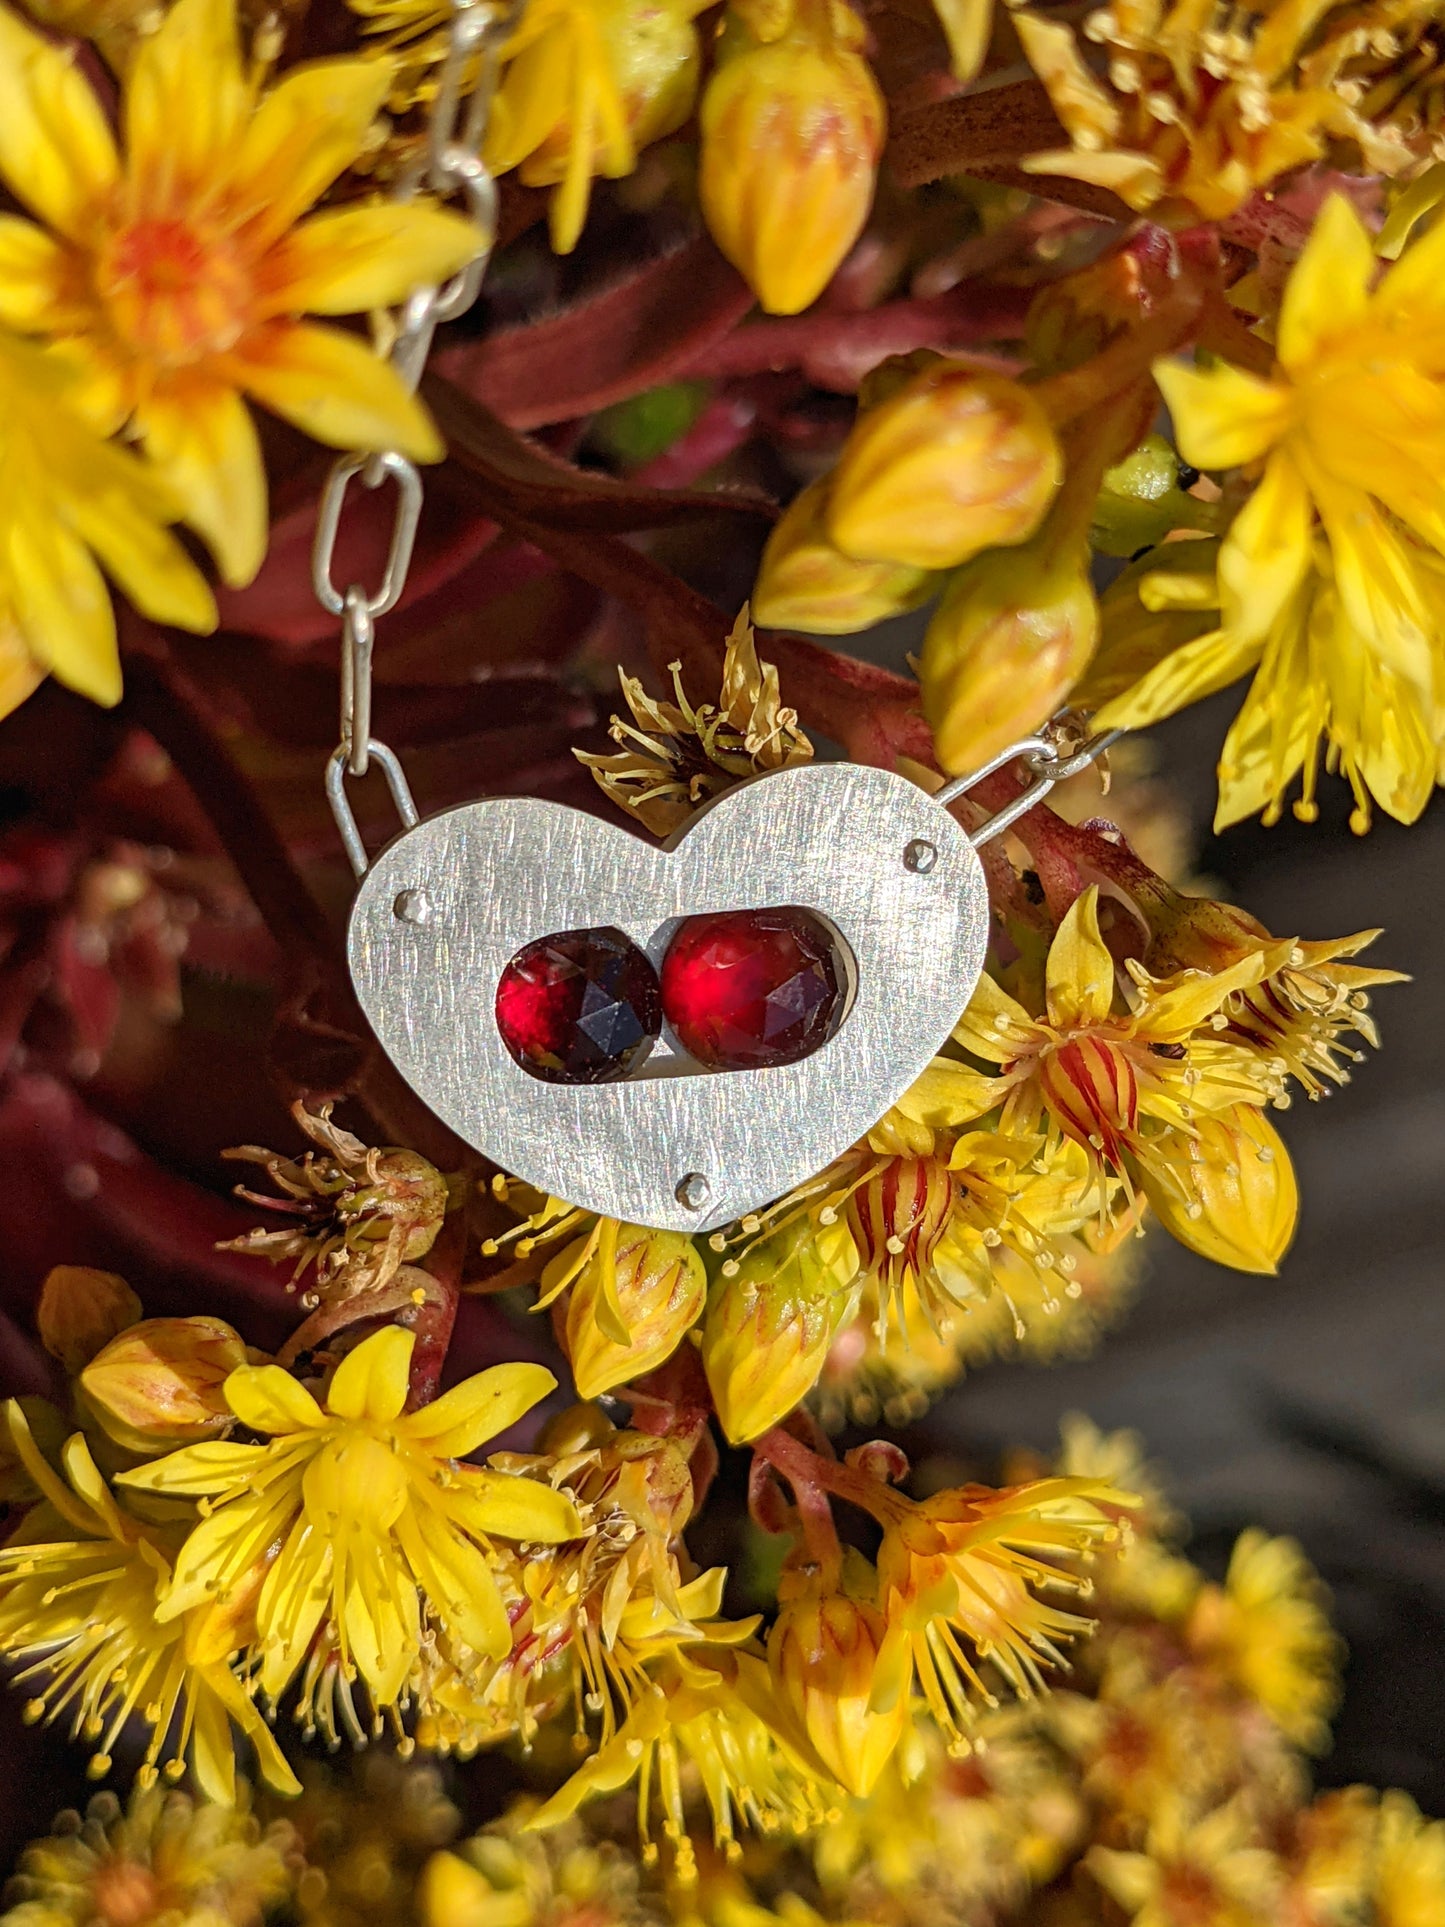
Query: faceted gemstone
[750,988]
[579,1008]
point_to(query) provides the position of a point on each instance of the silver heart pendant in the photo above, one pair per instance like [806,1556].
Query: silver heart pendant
[445,908]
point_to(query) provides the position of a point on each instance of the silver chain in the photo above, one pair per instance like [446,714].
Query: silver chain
[449,164]
[1042,757]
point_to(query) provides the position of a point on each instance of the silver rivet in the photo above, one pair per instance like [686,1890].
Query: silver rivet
[413,906]
[920,855]
[693,1191]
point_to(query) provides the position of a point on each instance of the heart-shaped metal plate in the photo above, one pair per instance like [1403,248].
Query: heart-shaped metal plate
[442,911]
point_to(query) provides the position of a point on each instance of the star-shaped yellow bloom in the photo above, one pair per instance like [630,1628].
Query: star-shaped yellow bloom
[172,266]
[1330,578]
[367,1528]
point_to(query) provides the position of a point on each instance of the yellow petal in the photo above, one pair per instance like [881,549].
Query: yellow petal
[1266,555]
[967,25]
[226,1548]
[477,1409]
[292,1602]
[949,1094]
[457,1581]
[306,131]
[272,1762]
[1187,675]
[381,1624]
[134,547]
[212,1750]
[62,606]
[197,1470]
[372,1382]
[1079,975]
[990,1015]
[56,150]
[1329,286]
[202,439]
[1237,1201]
[1222,416]
[187,103]
[1415,286]
[356,258]
[269,1399]
[333,388]
[1278,722]
[1192,998]
[32,263]
[494,1503]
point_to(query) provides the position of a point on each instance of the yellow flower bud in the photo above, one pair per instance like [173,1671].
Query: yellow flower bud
[160,1382]
[805,582]
[659,1286]
[955,462]
[823,1653]
[80,1311]
[769,1324]
[1230,1194]
[792,128]
[1012,635]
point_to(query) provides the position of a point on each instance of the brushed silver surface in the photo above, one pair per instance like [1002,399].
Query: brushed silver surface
[496,874]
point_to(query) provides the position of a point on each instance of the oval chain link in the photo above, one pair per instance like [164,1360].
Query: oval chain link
[1041,756]
[449,165]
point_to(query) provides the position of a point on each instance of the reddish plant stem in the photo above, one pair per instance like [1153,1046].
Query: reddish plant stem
[436,1318]
[807,1472]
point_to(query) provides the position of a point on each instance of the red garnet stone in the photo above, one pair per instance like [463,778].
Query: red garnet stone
[579,1008]
[752,988]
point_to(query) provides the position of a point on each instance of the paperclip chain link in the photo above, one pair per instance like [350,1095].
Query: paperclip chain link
[1042,758]
[450,164]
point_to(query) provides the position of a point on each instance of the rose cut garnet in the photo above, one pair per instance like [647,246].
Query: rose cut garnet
[749,989]
[579,1008]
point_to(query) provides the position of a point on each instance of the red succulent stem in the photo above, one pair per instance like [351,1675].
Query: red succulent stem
[436,1318]
[811,1475]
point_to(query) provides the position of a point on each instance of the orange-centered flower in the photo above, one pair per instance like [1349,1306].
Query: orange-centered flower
[172,267]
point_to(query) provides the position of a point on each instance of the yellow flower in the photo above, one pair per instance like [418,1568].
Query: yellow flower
[79,1582]
[793,124]
[70,505]
[959,1567]
[675,757]
[162,1858]
[360,1517]
[716,1712]
[1301,1010]
[1133,1090]
[1266,1630]
[1196,108]
[1329,579]
[172,271]
[585,84]
[1195,1872]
